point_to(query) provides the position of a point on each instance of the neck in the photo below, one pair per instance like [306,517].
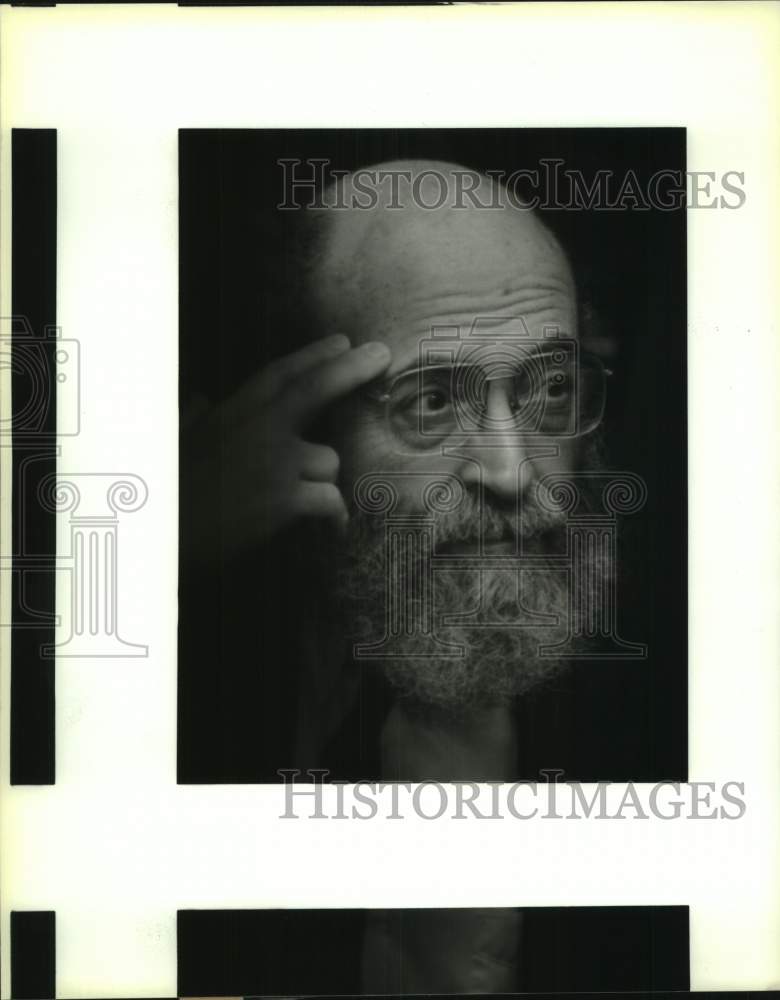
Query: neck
[430,745]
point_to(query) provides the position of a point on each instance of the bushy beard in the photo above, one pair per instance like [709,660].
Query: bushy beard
[501,643]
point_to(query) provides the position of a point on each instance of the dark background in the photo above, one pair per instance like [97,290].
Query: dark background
[314,952]
[34,459]
[622,720]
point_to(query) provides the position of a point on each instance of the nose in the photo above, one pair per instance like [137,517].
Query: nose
[497,456]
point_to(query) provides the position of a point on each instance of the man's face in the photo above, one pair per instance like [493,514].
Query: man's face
[486,287]
[475,307]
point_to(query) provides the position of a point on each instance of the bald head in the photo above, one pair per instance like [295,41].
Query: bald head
[434,244]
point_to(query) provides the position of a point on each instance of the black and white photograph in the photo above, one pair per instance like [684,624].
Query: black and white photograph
[433,481]
[388,537]
[402,952]
[433,454]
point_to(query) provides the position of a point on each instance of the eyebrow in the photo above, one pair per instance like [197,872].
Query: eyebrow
[411,369]
[411,364]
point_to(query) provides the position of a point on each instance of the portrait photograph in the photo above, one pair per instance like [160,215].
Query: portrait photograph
[388,535]
[433,454]
[432,508]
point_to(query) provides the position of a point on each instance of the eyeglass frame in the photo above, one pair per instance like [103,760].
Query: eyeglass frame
[382,395]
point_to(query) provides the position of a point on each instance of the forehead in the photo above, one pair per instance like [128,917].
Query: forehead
[441,349]
[479,331]
[472,279]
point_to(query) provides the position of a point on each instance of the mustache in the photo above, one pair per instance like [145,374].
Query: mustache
[500,659]
[476,519]
[484,516]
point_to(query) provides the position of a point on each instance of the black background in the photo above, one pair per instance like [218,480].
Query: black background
[563,949]
[35,450]
[623,720]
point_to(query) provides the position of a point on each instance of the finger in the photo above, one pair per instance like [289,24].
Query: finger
[290,366]
[319,463]
[336,378]
[320,500]
[272,379]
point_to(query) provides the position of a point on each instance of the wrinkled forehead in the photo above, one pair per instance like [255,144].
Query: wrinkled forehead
[502,348]
[478,319]
[477,277]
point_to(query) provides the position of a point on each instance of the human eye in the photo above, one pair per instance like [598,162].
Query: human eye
[424,394]
[559,388]
[550,389]
[432,401]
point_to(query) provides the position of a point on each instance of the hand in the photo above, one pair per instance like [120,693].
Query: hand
[268,475]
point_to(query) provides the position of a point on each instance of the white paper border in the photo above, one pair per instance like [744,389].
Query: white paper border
[131,847]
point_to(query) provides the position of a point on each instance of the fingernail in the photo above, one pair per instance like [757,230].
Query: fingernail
[376,349]
[338,340]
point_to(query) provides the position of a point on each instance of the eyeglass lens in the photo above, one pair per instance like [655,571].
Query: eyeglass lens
[545,395]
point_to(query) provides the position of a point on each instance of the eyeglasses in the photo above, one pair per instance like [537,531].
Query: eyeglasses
[546,393]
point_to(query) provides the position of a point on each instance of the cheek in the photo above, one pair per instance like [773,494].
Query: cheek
[364,448]
[568,459]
